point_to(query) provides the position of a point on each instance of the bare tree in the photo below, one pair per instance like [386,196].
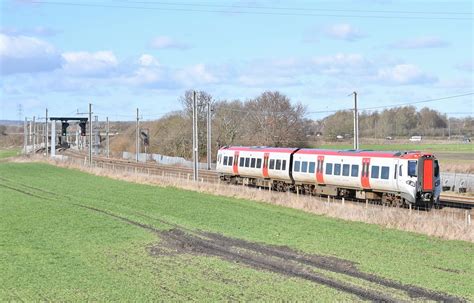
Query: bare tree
[228,121]
[273,120]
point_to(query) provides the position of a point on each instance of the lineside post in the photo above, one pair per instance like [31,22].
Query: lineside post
[195,139]
[34,133]
[209,135]
[90,134]
[107,136]
[46,134]
[137,143]
[25,134]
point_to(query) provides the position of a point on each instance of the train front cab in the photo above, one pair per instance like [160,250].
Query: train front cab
[429,181]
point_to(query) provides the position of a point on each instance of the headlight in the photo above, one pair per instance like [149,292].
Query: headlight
[437,183]
[411,183]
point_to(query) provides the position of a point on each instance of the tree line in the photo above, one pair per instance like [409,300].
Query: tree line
[397,122]
[271,119]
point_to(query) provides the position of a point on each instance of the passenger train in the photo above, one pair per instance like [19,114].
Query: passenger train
[390,178]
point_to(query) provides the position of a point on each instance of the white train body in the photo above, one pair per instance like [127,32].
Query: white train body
[392,177]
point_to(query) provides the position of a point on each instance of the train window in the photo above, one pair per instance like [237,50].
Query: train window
[328,168]
[278,164]
[219,158]
[272,164]
[436,169]
[395,172]
[259,163]
[400,170]
[247,162]
[374,174]
[304,166]
[311,167]
[252,163]
[229,162]
[385,173]
[355,171]
[225,160]
[337,169]
[283,165]
[296,167]
[412,168]
[242,162]
[345,169]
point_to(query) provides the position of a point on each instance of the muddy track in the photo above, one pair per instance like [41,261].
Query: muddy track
[330,264]
[281,260]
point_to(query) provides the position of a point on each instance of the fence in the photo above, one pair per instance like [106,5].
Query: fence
[162,159]
[457,182]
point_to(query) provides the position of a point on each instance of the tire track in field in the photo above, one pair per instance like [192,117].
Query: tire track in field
[24,192]
[29,186]
[281,260]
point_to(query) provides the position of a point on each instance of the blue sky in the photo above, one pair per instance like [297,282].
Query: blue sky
[120,55]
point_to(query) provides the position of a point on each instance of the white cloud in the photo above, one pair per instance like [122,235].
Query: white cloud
[343,31]
[343,64]
[404,74]
[195,74]
[22,54]
[420,42]
[89,64]
[165,42]
[148,60]
[152,75]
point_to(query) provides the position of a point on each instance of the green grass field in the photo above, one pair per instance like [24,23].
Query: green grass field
[69,236]
[7,153]
[448,147]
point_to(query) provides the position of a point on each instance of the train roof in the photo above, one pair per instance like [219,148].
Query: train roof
[366,153]
[261,149]
[332,152]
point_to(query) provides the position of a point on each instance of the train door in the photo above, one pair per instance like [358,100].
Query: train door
[426,173]
[394,177]
[320,170]
[364,177]
[265,164]
[235,167]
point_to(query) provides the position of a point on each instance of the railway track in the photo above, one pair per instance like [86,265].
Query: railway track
[211,176]
[463,202]
[148,168]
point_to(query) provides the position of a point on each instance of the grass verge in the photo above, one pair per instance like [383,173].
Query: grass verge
[7,153]
[54,250]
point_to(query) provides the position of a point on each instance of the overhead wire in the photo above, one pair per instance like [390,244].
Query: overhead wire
[367,108]
[202,4]
[248,12]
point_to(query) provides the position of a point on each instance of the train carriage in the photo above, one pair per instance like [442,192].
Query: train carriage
[394,178]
